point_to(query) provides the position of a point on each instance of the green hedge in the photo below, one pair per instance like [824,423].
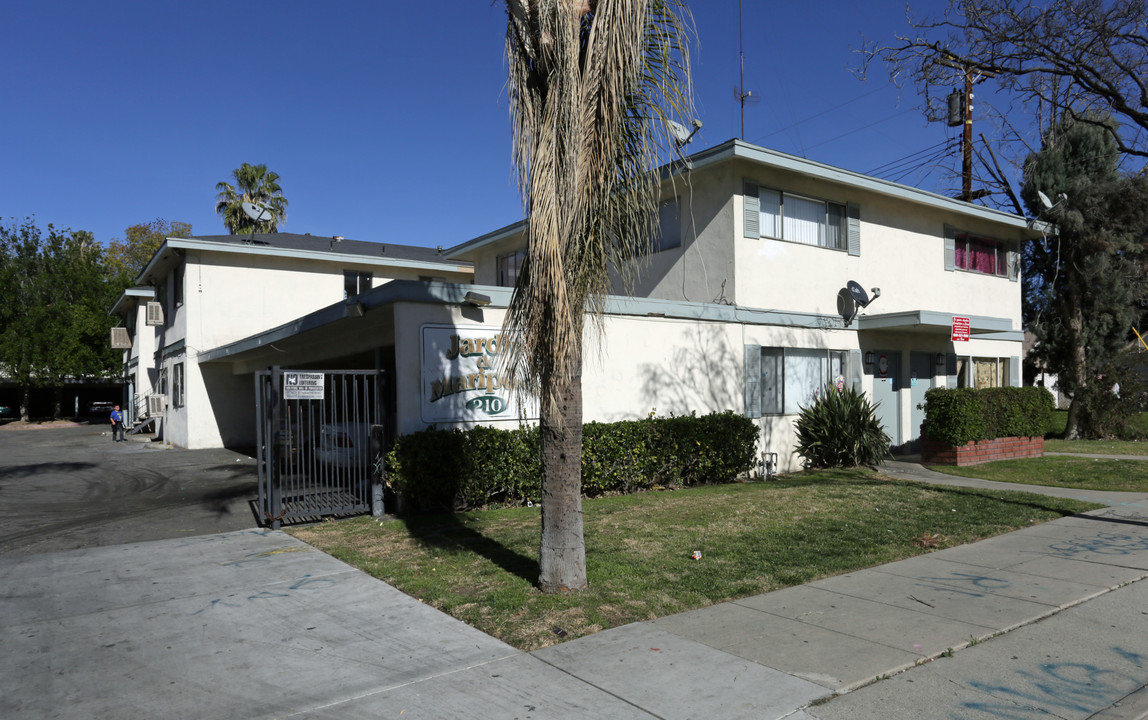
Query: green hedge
[438,470]
[957,416]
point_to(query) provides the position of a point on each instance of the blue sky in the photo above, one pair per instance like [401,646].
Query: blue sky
[387,121]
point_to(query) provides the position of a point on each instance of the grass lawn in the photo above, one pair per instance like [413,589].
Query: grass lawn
[1053,443]
[481,567]
[1061,471]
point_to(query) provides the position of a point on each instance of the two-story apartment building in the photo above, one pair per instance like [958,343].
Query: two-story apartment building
[742,305]
[199,293]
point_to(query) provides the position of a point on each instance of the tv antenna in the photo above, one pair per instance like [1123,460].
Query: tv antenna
[258,213]
[740,94]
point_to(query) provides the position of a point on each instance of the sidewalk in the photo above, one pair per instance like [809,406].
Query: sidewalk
[255,624]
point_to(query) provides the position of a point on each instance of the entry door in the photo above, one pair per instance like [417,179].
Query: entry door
[886,384]
[920,381]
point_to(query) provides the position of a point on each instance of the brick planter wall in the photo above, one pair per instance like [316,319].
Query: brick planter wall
[980,451]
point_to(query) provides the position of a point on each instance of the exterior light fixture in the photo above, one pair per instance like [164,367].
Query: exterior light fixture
[870,357]
[940,359]
[476,299]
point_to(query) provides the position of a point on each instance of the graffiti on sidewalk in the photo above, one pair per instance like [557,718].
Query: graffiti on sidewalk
[966,584]
[302,584]
[1066,686]
[1101,544]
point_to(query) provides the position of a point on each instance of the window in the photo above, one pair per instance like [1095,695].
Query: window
[669,233]
[980,255]
[177,385]
[508,267]
[984,372]
[161,296]
[794,378]
[802,220]
[356,283]
[177,286]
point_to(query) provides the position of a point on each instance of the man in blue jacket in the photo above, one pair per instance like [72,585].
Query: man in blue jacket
[117,425]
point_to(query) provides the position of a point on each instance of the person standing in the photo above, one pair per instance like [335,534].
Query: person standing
[117,419]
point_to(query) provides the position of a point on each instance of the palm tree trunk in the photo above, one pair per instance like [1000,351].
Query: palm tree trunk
[562,551]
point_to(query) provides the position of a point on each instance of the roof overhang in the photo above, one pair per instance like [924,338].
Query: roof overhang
[130,298]
[172,246]
[929,322]
[484,240]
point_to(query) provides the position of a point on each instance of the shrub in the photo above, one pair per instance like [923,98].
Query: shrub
[841,429]
[959,415]
[437,470]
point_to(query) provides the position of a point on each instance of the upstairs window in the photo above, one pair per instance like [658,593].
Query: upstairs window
[356,283]
[177,286]
[508,267]
[669,233]
[980,255]
[798,219]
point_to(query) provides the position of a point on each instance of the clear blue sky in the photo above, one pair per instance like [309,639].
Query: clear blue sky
[387,121]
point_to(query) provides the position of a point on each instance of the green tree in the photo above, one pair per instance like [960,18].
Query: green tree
[54,323]
[253,184]
[128,257]
[590,85]
[1084,287]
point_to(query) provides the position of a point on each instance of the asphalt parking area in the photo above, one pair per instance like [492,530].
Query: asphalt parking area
[66,488]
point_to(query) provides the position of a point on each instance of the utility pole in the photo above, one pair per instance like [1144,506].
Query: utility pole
[972,75]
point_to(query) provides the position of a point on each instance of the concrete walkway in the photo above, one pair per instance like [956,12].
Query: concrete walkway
[255,624]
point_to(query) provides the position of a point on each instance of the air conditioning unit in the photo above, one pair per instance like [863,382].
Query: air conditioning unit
[154,313]
[156,404]
[121,339]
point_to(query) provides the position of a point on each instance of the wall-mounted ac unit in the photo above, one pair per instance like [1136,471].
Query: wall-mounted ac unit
[156,404]
[121,339]
[154,313]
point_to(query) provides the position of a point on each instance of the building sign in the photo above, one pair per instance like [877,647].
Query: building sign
[462,377]
[302,386]
[961,327]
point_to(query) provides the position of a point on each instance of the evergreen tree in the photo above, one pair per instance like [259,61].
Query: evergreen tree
[1083,284]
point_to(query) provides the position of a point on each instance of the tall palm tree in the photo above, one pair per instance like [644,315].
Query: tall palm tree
[591,83]
[253,184]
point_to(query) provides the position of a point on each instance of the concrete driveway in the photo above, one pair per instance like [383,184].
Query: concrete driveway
[65,488]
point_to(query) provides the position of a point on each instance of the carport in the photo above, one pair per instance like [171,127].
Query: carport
[326,384]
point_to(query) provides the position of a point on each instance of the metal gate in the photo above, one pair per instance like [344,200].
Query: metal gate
[320,442]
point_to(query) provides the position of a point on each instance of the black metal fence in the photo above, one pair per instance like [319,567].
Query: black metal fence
[319,436]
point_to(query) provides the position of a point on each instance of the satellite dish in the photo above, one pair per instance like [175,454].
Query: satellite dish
[859,295]
[1044,200]
[256,212]
[846,306]
[681,134]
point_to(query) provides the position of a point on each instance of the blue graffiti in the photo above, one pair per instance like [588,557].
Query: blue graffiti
[1101,544]
[1072,686]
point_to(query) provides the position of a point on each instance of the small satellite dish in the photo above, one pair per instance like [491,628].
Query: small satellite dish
[681,134]
[1044,200]
[256,212]
[859,295]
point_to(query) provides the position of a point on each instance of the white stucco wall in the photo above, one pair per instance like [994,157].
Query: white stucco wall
[902,252]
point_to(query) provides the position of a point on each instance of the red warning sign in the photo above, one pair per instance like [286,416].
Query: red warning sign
[960,329]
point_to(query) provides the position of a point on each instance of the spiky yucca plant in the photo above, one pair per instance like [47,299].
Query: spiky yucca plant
[841,429]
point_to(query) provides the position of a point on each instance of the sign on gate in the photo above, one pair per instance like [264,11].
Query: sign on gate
[302,386]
